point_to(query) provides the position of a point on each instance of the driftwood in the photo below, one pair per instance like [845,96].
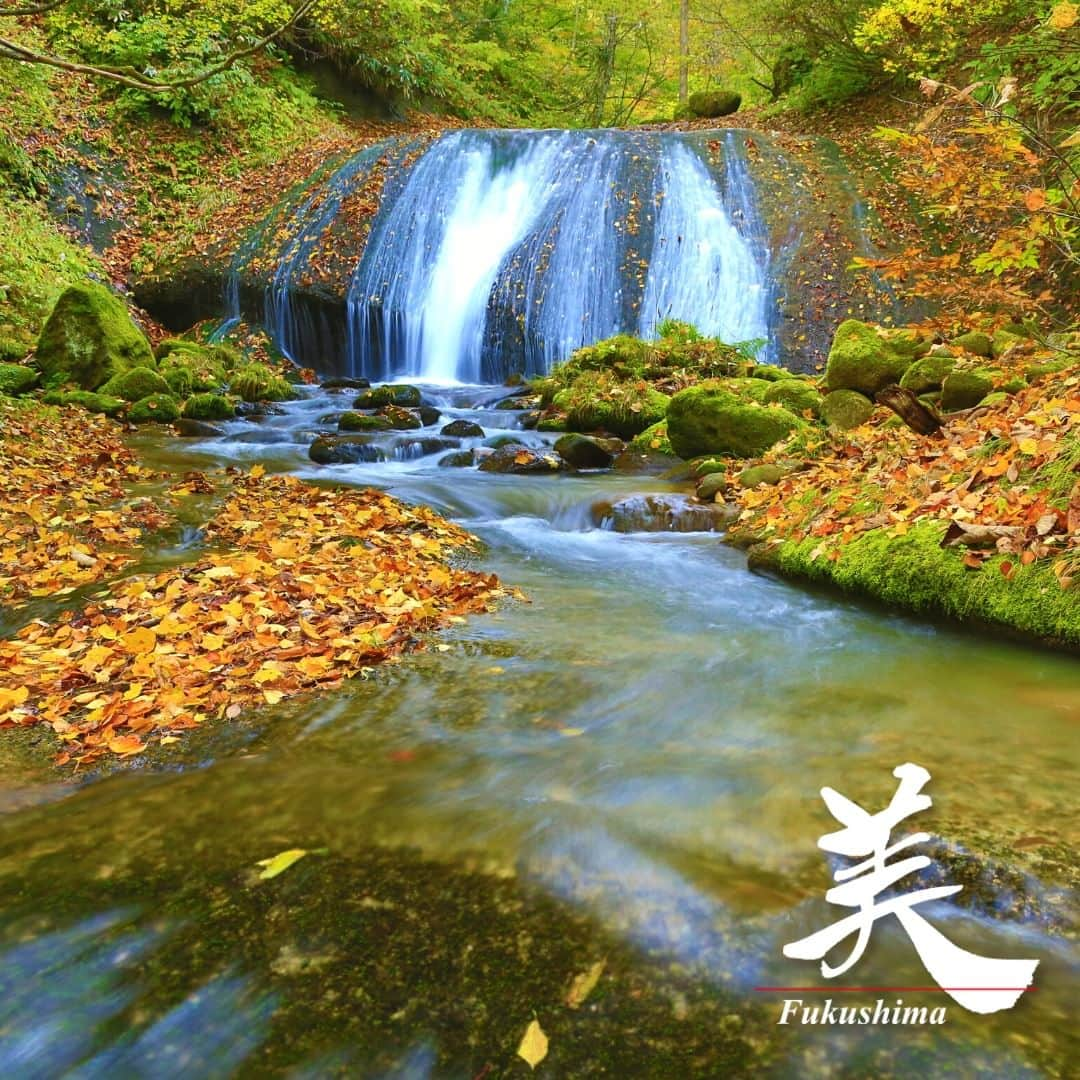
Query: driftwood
[910,409]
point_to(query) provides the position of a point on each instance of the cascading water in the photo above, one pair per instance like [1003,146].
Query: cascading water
[508,250]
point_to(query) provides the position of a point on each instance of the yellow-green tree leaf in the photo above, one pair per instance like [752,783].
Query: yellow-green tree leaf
[280,862]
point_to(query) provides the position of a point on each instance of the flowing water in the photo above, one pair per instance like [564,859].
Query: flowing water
[624,769]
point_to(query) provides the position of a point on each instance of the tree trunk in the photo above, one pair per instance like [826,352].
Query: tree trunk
[684,51]
[910,409]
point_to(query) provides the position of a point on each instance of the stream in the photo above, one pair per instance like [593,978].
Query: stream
[625,769]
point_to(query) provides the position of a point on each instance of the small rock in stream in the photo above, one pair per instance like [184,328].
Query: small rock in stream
[663,513]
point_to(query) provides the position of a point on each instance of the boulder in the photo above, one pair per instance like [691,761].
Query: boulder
[711,485]
[257,382]
[344,450]
[770,372]
[965,389]
[16,379]
[710,104]
[709,419]
[354,421]
[196,429]
[846,409]
[429,415]
[975,342]
[208,407]
[653,440]
[585,452]
[89,338]
[860,359]
[927,375]
[88,400]
[795,395]
[761,474]
[663,513]
[519,459]
[378,396]
[135,384]
[1002,341]
[907,342]
[463,429]
[457,459]
[155,409]
[400,419]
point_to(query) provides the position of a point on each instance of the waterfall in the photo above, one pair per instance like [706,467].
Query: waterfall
[501,251]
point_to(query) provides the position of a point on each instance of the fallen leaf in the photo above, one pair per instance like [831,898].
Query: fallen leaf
[534,1045]
[584,984]
[280,862]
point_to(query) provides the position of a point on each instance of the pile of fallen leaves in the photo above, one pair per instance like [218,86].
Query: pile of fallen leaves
[63,517]
[1000,479]
[309,587]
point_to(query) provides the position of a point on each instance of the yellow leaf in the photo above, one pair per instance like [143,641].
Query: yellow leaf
[257,471]
[212,642]
[1063,16]
[571,732]
[217,572]
[126,744]
[280,862]
[140,640]
[584,984]
[1028,446]
[133,691]
[273,696]
[534,1045]
[10,698]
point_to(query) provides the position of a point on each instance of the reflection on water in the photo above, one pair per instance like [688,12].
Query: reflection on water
[625,769]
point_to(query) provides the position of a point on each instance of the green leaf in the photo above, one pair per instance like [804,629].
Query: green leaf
[280,863]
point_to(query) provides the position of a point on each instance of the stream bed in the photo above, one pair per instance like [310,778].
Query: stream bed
[626,770]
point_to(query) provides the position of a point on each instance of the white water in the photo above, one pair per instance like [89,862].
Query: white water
[506,251]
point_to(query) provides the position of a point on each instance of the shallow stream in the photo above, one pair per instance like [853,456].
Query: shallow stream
[625,769]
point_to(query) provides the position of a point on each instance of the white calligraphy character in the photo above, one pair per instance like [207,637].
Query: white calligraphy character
[979,983]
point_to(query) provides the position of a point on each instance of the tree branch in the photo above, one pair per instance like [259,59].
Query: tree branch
[11,50]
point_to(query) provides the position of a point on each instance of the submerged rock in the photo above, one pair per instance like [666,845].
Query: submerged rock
[197,429]
[341,382]
[401,419]
[344,450]
[458,459]
[463,429]
[408,449]
[355,421]
[519,459]
[429,415]
[378,396]
[663,513]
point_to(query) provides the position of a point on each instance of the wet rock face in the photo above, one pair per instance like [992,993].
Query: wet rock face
[518,459]
[344,450]
[463,429]
[663,513]
[588,452]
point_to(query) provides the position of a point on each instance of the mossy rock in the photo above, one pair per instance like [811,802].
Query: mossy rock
[354,421]
[682,112]
[712,485]
[795,395]
[88,400]
[179,379]
[965,389]
[257,382]
[928,374]
[552,423]
[653,440]
[710,104]
[155,408]
[1003,341]
[846,409]
[208,407]
[378,396]
[457,459]
[463,429]
[16,379]
[907,342]
[1014,385]
[709,419]
[622,355]
[993,400]
[90,337]
[400,419]
[771,373]
[136,384]
[1035,372]
[586,452]
[197,353]
[344,450]
[768,473]
[599,401]
[190,372]
[860,359]
[749,389]
[975,342]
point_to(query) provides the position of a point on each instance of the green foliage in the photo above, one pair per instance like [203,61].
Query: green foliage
[257,382]
[135,384]
[16,379]
[208,407]
[86,399]
[600,401]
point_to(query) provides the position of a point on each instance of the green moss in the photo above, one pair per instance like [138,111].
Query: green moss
[156,408]
[17,379]
[709,419]
[378,396]
[208,407]
[906,342]
[770,372]
[975,342]
[135,384]
[860,359]
[965,389]
[1015,385]
[623,356]
[714,103]
[198,354]
[1003,341]
[927,375]
[845,409]
[400,419]
[354,421]
[795,395]
[915,573]
[653,440]
[91,402]
[1035,372]
[256,382]
[761,474]
[90,337]
[598,400]
[552,423]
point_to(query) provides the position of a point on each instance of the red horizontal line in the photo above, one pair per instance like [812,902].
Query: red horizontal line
[852,989]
